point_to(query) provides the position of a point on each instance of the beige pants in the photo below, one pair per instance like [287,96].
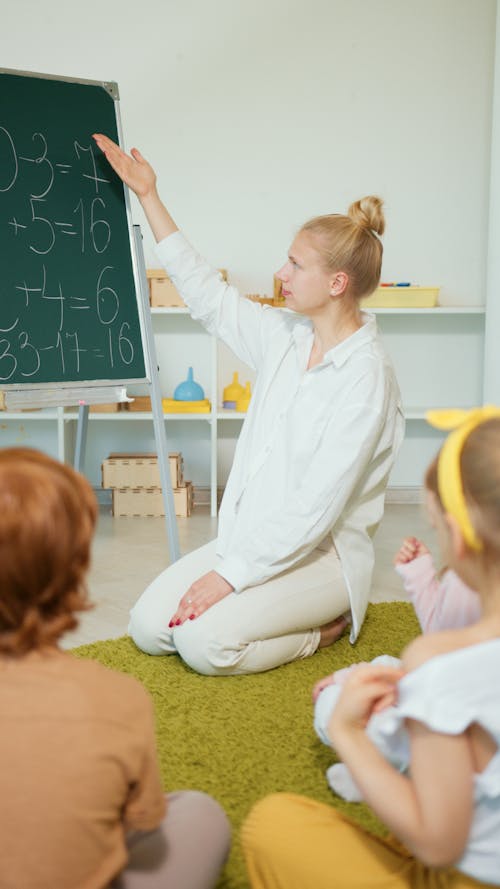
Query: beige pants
[292,842]
[248,632]
[187,851]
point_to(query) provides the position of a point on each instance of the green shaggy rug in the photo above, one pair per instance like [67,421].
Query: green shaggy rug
[240,738]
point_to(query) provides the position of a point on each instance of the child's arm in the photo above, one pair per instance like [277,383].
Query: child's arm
[445,603]
[430,811]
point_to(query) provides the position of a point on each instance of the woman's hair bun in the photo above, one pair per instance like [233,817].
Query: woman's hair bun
[368,213]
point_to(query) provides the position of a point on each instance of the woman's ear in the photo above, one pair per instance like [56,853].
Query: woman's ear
[339,283]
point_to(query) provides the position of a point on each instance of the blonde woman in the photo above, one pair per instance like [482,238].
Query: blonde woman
[292,563]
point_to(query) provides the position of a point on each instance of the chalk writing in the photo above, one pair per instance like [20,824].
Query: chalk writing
[68,302]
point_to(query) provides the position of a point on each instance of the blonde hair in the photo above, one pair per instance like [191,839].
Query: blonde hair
[480,474]
[47,519]
[351,244]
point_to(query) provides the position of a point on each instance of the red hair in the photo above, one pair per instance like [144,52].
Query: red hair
[48,514]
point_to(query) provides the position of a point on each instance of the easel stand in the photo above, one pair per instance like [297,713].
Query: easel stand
[156,406]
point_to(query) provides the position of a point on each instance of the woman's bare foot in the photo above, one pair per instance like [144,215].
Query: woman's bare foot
[329,633]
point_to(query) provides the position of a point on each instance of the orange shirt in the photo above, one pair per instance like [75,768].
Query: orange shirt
[78,767]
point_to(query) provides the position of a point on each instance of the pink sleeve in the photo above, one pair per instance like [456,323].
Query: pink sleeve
[440,604]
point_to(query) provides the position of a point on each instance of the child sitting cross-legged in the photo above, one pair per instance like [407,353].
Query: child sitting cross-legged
[81,801]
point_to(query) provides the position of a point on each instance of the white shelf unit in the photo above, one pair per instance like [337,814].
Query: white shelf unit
[437,353]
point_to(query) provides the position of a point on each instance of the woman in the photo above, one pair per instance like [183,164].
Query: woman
[306,490]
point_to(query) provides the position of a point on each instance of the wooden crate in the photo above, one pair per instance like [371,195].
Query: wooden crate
[149,501]
[111,408]
[163,293]
[140,471]
[140,403]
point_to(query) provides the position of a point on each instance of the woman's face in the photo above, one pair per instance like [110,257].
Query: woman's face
[306,284]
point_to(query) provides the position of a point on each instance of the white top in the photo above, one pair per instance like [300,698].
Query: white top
[448,693]
[316,447]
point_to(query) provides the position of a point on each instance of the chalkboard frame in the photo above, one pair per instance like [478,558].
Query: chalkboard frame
[83,387]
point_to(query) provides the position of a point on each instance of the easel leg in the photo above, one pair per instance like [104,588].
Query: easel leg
[81,437]
[158,418]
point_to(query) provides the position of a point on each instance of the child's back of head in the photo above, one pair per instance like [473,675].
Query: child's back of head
[47,519]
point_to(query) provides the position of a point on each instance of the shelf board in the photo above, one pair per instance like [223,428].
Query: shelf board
[228,414]
[377,310]
[419,414]
[123,416]
[169,310]
[431,310]
[47,414]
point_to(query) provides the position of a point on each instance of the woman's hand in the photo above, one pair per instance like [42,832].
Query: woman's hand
[410,549]
[135,172]
[201,595]
[366,691]
[132,169]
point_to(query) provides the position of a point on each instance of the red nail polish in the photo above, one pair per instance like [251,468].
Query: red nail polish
[170,623]
[192,616]
[177,622]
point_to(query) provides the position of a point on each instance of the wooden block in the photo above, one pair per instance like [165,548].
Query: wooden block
[161,290]
[112,408]
[140,471]
[163,293]
[140,403]
[149,501]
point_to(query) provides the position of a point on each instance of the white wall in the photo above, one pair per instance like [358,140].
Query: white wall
[260,114]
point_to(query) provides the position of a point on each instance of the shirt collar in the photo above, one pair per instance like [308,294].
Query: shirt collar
[338,355]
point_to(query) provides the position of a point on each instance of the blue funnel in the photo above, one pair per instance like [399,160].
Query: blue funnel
[189,390]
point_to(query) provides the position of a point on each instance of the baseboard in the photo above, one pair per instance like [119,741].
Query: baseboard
[404,495]
[201,494]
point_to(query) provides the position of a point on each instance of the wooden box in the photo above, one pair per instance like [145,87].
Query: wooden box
[149,501]
[111,408]
[411,297]
[162,293]
[140,403]
[161,290]
[140,471]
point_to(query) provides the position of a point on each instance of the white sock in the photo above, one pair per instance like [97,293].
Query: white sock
[341,781]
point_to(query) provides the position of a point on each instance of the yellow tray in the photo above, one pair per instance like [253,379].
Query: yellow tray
[402,297]
[172,406]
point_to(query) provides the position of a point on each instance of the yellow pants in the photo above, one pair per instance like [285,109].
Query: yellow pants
[292,842]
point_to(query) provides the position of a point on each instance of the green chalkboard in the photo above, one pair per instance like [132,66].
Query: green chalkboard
[70,307]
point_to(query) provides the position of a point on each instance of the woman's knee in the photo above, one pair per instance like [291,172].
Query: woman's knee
[205,651]
[148,631]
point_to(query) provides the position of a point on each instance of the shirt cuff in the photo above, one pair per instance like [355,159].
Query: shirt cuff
[235,571]
[410,570]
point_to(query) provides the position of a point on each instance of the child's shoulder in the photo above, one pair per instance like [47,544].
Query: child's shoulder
[108,688]
[425,647]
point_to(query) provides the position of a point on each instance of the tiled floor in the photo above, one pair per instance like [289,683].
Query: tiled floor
[129,552]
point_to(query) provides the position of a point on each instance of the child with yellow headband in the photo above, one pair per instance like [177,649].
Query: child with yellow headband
[446,810]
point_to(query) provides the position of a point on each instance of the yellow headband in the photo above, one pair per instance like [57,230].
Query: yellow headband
[449,475]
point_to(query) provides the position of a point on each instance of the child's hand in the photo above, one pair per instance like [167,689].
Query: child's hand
[367,690]
[410,549]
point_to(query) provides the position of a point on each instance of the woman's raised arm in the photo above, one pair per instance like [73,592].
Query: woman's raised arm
[134,170]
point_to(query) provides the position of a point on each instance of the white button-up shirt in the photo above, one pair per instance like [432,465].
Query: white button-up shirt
[316,447]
